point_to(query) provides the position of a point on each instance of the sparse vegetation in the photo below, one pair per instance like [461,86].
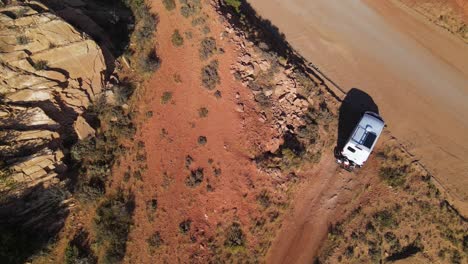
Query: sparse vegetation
[264,199]
[190,7]
[203,112]
[94,157]
[210,76]
[150,62]
[202,140]
[169,4]
[235,237]
[177,39]
[41,65]
[155,241]
[22,40]
[207,48]
[195,178]
[235,4]
[112,226]
[166,97]
[78,251]
[184,226]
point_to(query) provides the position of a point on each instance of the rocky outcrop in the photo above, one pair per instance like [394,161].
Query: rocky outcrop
[291,99]
[49,74]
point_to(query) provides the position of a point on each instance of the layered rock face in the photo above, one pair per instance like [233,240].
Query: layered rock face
[49,74]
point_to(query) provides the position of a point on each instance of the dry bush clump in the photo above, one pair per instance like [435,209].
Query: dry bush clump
[166,97]
[210,75]
[112,226]
[195,178]
[169,4]
[190,7]
[203,112]
[177,39]
[207,48]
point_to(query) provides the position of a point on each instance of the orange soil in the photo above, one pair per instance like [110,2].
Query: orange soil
[233,138]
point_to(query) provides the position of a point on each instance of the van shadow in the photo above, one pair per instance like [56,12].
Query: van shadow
[352,108]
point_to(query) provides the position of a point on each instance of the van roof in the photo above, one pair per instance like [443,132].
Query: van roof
[364,137]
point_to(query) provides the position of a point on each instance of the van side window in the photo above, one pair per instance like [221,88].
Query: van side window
[351,149]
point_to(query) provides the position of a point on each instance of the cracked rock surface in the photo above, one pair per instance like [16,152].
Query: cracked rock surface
[49,74]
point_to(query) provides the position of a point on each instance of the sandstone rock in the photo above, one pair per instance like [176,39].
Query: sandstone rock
[240,107]
[49,74]
[82,128]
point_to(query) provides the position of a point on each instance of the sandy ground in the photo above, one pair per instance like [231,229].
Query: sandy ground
[171,135]
[416,72]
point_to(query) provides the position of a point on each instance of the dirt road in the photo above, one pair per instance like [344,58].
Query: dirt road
[320,202]
[416,72]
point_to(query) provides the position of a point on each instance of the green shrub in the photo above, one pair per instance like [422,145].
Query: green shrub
[207,48]
[40,65]
[112,226]
[202,140]
[210,76]
[385,219]
[22,40]
[184,226]
[235,4]
[394,175]
[169,4]
[150,62]
[234,236]
[195,178]
[264,199]
[203,112]
[166,97]
[78,251]
[190,7]
[177,39]
[155,240]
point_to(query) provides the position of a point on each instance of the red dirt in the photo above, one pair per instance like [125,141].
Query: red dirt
[322,201]
[232,140]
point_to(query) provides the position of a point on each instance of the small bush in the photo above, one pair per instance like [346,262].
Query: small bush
[184,226]
[190,7]
[22,40]
[40,65]
[150,62]
[234,236]
[152,205]
[177,39]
[78,251]
[169,4]
[166,97]
[264,199]
[195,178]
[123,92]
[202,140]
[203,112]
[155,240]
[385,219]
[235,4]
[394,176]
[210,76]
[207,48]
[112,226]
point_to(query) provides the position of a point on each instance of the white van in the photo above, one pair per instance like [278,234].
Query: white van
[362,140]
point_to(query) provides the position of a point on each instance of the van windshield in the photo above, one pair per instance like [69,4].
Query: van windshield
[370,138]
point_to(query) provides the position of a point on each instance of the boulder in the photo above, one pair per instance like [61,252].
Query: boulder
[82,128]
